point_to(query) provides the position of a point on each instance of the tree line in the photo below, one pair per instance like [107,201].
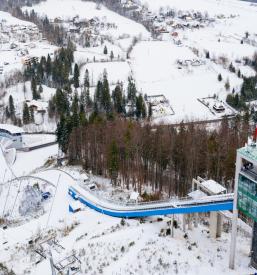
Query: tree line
[163,157]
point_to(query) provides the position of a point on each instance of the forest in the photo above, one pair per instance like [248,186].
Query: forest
[166,158]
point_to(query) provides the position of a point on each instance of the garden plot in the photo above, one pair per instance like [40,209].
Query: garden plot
[160,106]
[218,107]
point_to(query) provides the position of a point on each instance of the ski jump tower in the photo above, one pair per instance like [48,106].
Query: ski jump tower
[245,196]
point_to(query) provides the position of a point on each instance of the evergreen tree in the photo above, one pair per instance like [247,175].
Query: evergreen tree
[105,50]
[111,55]
[11,108]
[76,76]
[48,66]
[113,161]
[26,114]
[86,79]
[140,107]
[150,110]
[207,55]
[106,98]
[7,113]
[227,85]
[75,111]
[35,94]
[118,99]
[132,91]
[89,102]
[51,108]
[62,134]
[220,77]
[62,102]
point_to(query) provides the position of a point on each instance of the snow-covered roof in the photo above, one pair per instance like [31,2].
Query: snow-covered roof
[197,194]
[11,128]
[213,187]
[75,205]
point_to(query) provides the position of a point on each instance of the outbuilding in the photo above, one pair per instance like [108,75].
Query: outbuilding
[13,133]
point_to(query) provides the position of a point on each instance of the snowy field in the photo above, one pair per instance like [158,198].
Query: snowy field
[116,71]
[9,20]
[155,69]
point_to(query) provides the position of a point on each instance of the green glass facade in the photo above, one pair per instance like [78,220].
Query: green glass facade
[247,195]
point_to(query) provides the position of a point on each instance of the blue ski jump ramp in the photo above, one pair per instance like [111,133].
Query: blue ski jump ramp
[206,204]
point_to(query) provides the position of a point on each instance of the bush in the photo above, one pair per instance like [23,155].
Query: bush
[122,222]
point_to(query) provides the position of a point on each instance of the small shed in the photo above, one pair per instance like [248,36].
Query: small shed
[74,206]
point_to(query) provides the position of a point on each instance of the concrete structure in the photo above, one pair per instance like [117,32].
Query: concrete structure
[14,133]
[245,196]
[209,187]
[202,188]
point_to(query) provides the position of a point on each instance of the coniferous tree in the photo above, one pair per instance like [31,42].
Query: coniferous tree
[227,85]
[86,79]
[113,161]
[150,110]
[111,55]
[105,50]
[75,111]
[76,76]
[7,113]
[62,134]
[51,108]
[98,93]
[132,91]
[62,102]
[106,98]
[35,93]
[118,99]
[220,77]
[48,66]
[140,107]
[89,102]
[11,108]
[26,114]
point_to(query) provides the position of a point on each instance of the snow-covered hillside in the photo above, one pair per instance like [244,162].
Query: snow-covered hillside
[180,66]
[103,244]
[9,20]
[157,72]
[67,9]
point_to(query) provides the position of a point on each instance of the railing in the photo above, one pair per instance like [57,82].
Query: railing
[175,202]
[249,173]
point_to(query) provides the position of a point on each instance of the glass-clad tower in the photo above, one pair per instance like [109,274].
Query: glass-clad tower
[245,195]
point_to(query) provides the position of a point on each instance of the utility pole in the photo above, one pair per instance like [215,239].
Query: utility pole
[172,227]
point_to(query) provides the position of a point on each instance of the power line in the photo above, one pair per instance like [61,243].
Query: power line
[53,200]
